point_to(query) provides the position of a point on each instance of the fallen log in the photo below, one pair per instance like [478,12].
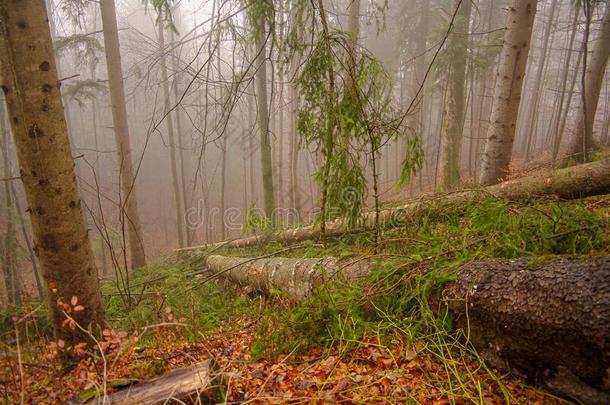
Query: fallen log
[191,385]
[568,183]
[296,278]
[547,320]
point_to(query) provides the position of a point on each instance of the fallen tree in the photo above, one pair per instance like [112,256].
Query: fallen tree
[191,385]
[547,320]
[296,278]
[568,183]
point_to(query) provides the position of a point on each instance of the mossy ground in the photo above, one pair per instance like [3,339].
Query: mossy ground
[382,327]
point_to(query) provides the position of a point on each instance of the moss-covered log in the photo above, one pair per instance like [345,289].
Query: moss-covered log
[547,319]
[572,182]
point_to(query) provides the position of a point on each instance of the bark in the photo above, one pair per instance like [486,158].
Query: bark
[263,122]
[295,278]
[294,194]
[582,142]
[190,385]
[171,141]
[129,201]
[29,80]
[453,119]
[507,93]
[546,319]
[549,322]
[572,182]
[10,262]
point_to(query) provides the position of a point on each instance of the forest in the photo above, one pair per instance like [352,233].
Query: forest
[305,201]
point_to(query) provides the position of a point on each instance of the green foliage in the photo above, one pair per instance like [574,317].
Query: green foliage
[256,220]
[423,257]
[171,285]
[348,114]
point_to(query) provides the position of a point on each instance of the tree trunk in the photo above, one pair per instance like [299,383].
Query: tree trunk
[572,182]
[453,119]
[545,319]
[507,94]
[555,125]
[94,112]
[263,121]
[129,201]
[171,142]
[30,84]
[177,95]
[594,75]
[296,278]
[10,262]
[535,99]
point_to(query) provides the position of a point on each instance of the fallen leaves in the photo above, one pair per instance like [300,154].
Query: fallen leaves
[371,373]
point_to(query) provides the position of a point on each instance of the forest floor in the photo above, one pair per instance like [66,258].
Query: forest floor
[377,342]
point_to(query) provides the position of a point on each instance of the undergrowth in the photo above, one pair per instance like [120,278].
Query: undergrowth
[389,308]
[392,305]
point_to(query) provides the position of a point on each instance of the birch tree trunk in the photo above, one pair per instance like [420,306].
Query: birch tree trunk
[453,119]
[29,81]
[171,141]
[129,201]
[507,93]
[582,142]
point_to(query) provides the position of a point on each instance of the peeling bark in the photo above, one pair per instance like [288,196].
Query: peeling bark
[297,278]
[572,182]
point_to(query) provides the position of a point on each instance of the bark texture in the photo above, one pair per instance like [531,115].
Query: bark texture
[28,78]
[190,385]
[507,93]
[129,201]
[594,75]
[572,182]
[297,278]
[549,322]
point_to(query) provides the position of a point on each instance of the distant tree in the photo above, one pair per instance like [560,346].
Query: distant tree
[29,80]
[453,119]
[507,93]
[260,14]
[177,191]
[129,201]
[595,68]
